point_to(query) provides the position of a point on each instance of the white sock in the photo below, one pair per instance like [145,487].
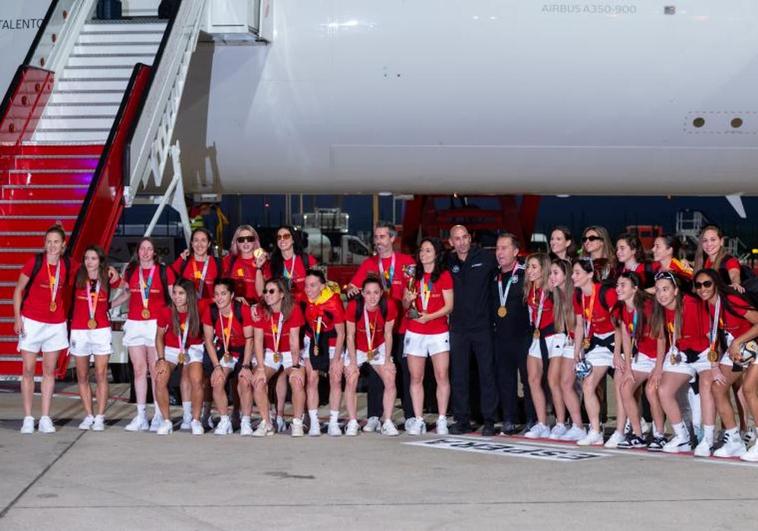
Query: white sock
[224,418]
[157,411]
[279,418]
[187,407]
[681,430]
[442,417]
[333,415]
[141,410]
[245,418]
[657,433]
[708,433]
[734,431]
[313,414]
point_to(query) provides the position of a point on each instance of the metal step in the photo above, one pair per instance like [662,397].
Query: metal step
[82,137]
[72,123]
[97,72]
[123,47]
[148,37]
[86,96]
[101,26]
[81,110]
[95,59]
[93,84]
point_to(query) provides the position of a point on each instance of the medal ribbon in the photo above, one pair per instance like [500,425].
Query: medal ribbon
[633,327]
[53,281]
[144,288]
[387,276]
[276,331]
[317,333]
[92,299]
[540,307]
[587,313]
[504,294]
[372,329]
[226,331]
[713,334]
[672,336]
[289,272]
[201,278]
[426,294]
[183,339]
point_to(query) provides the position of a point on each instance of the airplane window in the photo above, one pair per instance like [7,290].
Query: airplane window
[737,123]
[698,122]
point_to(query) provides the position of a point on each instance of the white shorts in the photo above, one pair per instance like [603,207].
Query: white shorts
[555,345]
[725,359]
[600,356]
[228,364]
[140,333]
[692,369]
[568,349]
[285,360]
[43,337]
[424,345]
[643,363]
[86,342]
[194,354]
[362,356]
[306,352]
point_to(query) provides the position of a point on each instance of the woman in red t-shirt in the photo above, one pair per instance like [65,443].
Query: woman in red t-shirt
[40,322]
[429,301]
[597,245]
[228,333]
[322,348]
[665,252]
[684,322]
[711,254]
[148,285]
[641,348]
[91,331]
[180,342]
[244,264]
[631,258]
[732,323]
[198,265]
[369,320]
[277,346]
[597,342]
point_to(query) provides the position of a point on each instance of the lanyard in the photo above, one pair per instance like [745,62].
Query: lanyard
[504,294]
[144,288]
[540,307]
[370,328]
[317,333]
[426,293]
[587,313]
[53,281]
[183,339]
[226,331]
[289,272]
[276,331]
[713,334]
[197,275]
[387,276]
[92,299]
[634,327]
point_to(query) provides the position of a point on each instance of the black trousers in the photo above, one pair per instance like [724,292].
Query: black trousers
[462,346]
[510,360]
[374,407]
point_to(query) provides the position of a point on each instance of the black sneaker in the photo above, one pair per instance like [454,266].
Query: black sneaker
[508,428]
[488,430]
[656,443]
[460,428]
[632,442]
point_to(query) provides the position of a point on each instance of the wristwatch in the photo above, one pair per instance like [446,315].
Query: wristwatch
[296,366]
[248,366]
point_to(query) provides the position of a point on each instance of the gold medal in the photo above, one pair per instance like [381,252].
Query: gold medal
[53,306]
[91,324]
[257,253]
[277,357]
[227,357]
[713,356]
[586,344]
[675,358]
[370,354]
[315,351]
[536,334]
[502,311]
[146,314]
[182,358]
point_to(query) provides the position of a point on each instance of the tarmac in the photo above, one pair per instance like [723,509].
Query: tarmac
[118,480]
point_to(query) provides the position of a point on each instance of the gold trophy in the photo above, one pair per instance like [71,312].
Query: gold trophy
[410,273]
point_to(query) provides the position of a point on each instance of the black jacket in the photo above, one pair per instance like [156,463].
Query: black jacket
[471,290]
[516,322]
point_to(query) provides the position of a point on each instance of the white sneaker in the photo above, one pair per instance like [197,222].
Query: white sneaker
[46,425]
[646,427]
[575,433]
[99,423]
[165,428]
[389,429]
[315,429]
[246,429]
[417,427]
[197,427]
[138,423]
[352,428]
[558,431]
[372,424]
[677,444]
[538,431]
[593,438]
[733,447]
[441,426]
[264,429]
[751,455]
[614,440]
[207,419]
[296,428]
[87,423]
[281,425]
[28,425]
[224,426]
[408,423]
[703,449]
[186,422]
[156,422]
[334,429]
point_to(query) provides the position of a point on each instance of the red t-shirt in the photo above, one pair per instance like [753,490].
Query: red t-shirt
[601,313]
[237,337]
[80,316]
[647,344]
[243,271]
[331,313]
[294,270]
[375,322]
[398,280]
[641,272]
[436,302]
[194,271]
[170,339]
[679,269]
[728,263]
[37,303]
[733,322]
[268,325]
[695,325]
[533,302]
[156,300]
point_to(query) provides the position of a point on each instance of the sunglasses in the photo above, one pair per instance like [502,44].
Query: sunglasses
[271,291]
[665,275]
[285,236]
[704,284]
[591,238]
[246,239]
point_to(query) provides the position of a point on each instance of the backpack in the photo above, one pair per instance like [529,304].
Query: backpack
[236,309]
[36,269]
[748,281]
[604,287]
[163,276]
[185,263]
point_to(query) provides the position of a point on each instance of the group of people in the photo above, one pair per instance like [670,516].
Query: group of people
[258,327]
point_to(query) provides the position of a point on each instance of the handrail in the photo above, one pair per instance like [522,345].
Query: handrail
[99,215]
[40,32]
[157,117]
[18,115]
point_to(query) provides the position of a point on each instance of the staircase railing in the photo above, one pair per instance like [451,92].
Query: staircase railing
[57,34]
[149,144]
[23,105]
[103,203]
